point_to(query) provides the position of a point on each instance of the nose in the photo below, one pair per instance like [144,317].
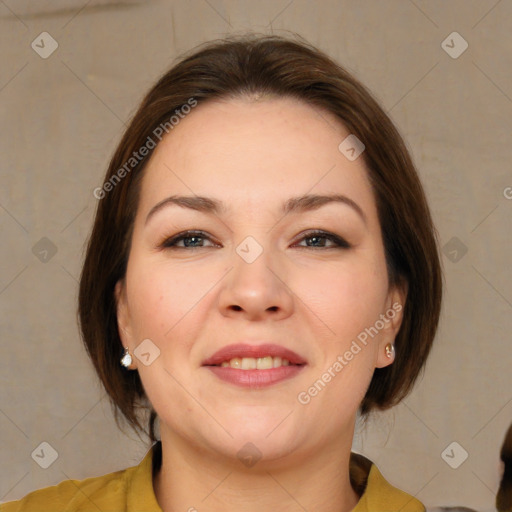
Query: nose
[256,291]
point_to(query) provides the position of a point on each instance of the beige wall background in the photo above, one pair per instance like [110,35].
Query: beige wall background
[61,117]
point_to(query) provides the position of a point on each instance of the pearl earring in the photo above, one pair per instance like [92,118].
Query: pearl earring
[126,360]
[390,351]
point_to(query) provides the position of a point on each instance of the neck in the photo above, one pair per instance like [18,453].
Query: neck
[192,479]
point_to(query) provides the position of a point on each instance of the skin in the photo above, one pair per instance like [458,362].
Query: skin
[253,155]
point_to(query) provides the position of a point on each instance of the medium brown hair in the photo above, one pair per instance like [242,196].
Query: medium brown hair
[248,66]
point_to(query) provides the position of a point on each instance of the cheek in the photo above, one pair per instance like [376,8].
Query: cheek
[162,296]
[346,297]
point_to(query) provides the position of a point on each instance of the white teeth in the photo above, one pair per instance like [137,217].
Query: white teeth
[264,363]
[236,362]
[252,363]
[248,363]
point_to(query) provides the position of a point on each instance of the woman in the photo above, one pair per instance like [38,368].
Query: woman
[262,268]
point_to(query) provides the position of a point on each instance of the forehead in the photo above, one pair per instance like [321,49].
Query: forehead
[244,152]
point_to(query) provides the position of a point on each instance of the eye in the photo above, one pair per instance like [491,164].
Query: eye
[322,240]
[188,240]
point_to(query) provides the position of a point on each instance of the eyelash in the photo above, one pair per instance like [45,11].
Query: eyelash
[339,243]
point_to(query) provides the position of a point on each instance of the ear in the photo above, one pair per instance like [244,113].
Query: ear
[392,318]
[123,317]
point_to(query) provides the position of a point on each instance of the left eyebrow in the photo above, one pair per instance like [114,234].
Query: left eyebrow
[293,205]
[313,202]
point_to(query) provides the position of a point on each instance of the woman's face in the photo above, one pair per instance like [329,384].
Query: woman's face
[291,256]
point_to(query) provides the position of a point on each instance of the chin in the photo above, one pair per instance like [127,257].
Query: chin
[261,423]
[267,439]
[261,453]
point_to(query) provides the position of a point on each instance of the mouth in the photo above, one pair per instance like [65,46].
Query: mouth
[254,357]
[254,366]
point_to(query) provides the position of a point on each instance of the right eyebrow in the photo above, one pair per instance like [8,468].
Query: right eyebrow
[199,203]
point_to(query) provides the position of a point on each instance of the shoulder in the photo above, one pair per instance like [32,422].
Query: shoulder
[75,495]
[378,494]
[120,490]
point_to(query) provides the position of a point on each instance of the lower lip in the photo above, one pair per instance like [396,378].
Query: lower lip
[255,378]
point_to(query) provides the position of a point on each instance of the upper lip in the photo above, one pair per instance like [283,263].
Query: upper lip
[245,350]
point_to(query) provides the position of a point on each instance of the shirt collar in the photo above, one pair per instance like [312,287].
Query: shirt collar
[374,491]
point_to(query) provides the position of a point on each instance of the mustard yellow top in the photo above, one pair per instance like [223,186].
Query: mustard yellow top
[131,490]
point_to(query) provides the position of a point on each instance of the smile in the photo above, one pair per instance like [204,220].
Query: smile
[253,363]
[254,366]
